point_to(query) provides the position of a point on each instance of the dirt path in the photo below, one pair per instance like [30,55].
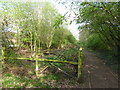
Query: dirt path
[96,73]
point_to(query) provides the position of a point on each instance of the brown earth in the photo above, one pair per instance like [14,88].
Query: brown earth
[96,73]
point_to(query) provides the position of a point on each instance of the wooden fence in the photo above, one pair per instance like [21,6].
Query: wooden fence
[79,63]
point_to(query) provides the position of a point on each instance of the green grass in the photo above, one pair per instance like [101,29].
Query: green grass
[14,81]
[11,80]
[51,77]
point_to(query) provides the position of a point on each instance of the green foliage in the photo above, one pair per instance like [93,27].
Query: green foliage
[58,21]
[101,18]
[9,52]
[100,29]
[11,61]
[72,39]
[71,54]
[36,28]
[56,64]
[94,42]
[24,46]
[63,37]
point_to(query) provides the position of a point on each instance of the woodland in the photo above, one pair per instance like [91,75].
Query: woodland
[39,51]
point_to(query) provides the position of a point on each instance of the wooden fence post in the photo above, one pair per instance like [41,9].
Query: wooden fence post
[79,65]
[35,57]
[3,54]
[36,65]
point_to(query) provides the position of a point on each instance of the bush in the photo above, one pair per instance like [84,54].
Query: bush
[71,54]
[94,42]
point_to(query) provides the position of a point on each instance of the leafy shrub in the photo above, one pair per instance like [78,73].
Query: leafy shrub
[71,54]
[94,42]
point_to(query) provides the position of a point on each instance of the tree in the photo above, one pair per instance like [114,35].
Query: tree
[102,18]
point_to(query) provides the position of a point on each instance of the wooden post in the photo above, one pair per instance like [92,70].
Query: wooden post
[79,65]
[37,66]
[3,54]
[35,57]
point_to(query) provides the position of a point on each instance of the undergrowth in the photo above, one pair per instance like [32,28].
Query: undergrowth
[21,73]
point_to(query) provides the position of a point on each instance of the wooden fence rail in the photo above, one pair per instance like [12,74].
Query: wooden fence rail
[43,60]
